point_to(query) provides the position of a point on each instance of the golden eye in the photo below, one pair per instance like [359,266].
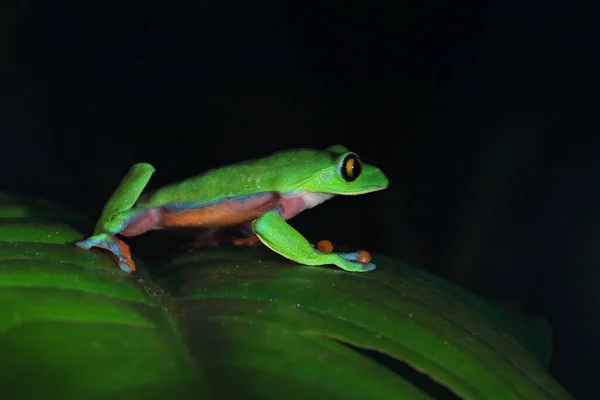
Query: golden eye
[351,168]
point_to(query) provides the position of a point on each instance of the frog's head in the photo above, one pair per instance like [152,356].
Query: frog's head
[346,174]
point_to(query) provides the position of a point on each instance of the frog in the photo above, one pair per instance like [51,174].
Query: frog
[253,198]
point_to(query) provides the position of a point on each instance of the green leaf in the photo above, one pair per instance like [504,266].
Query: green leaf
[242,323]
[74,326]
[27,208]
[252,315]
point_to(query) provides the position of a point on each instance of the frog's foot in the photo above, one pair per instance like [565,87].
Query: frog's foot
[116,246]
[359,260]
[252,241]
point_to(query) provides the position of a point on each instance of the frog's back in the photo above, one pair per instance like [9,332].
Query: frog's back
[281,172]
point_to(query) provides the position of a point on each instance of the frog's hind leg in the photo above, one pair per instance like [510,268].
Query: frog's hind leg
[249,238]
[282,238]
[118,213]
[240,235]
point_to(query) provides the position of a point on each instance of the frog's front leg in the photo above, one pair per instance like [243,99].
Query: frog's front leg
[118,213]
[282,238]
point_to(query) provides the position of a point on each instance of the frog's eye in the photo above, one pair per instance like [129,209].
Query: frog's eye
[351,168]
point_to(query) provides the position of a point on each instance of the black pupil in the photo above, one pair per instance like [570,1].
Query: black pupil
[351,168]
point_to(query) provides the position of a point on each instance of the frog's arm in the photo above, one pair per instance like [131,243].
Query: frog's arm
[124,197]
[117,212]
[282,238]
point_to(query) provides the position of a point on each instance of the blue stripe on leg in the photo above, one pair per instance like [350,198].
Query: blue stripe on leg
[90,242]
[349,256]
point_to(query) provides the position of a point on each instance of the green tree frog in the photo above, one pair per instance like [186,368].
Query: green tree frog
[253,199]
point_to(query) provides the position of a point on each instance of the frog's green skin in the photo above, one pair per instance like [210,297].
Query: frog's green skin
[259,195]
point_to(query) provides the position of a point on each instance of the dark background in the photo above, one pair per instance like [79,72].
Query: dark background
[483,115]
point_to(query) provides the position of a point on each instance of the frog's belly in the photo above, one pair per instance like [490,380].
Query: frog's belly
[225,213]
[222,214]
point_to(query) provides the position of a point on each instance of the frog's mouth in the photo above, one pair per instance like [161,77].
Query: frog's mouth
[365,191]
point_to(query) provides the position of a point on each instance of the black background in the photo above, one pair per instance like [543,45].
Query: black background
[483,115]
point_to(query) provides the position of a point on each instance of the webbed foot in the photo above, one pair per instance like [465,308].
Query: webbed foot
[116,246]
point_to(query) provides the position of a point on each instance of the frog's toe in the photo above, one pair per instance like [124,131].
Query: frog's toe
[360,256]
[89,243]
[367,267]
[324,246]
[84,244]
[123,264]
